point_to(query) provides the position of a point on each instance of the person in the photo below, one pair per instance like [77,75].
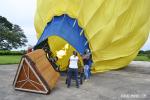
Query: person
[53,61]
[30,49]
[73,69]
[86,59]
[51,58]
[47,49]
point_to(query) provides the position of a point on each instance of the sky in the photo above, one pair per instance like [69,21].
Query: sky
[21,12]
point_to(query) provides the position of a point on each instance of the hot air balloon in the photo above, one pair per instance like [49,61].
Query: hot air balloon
[113,30]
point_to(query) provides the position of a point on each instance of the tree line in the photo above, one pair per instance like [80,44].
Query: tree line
[144,53]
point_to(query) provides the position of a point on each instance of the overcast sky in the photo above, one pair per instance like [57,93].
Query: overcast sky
[21,12]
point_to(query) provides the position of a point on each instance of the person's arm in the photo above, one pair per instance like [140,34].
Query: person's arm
[68,63]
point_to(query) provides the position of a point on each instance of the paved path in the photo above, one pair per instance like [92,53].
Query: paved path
[130,83]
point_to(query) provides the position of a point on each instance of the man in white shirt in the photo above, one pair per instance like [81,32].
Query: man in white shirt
[73,69]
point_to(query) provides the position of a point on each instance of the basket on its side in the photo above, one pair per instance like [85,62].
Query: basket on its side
[35,73]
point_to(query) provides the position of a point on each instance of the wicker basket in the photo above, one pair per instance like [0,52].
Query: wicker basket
[35,73]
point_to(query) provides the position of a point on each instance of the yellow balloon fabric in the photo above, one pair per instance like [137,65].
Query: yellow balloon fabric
[57,45]
[115,29]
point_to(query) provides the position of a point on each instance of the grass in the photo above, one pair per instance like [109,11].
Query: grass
[10,59]
[15,59]
[142,58]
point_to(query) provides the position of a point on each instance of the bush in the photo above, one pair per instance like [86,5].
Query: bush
[7,52]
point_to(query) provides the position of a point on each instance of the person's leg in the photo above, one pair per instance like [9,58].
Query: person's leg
[89,71]
[90,64]
[81,77]
[86,71]
[76,77]
[69,77]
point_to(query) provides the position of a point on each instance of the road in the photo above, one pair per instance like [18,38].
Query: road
[130,83]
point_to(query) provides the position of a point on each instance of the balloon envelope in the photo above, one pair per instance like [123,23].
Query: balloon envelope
[113,30]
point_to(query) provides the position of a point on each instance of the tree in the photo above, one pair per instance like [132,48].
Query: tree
[6,23]
[11,36]
[141,52]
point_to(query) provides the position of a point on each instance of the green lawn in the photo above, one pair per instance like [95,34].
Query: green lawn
[142,58]
[9,59]
[16,59]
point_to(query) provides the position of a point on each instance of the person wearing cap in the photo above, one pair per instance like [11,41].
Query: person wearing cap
[86,58]
[73,69]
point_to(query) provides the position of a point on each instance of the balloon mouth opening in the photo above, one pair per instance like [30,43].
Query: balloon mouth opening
[63,34]
[63,50]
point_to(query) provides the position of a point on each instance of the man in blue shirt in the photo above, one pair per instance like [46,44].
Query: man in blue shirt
[86,60]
